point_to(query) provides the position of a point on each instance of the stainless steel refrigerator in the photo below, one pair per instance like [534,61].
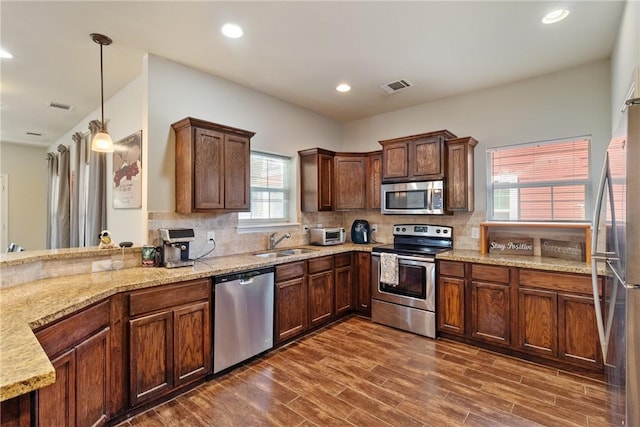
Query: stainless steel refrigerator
[616,257]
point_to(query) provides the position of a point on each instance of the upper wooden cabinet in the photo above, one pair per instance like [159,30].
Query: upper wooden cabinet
[316,175]
[414,158]
[459,172]
[350,181]
[212,166]
[339,181]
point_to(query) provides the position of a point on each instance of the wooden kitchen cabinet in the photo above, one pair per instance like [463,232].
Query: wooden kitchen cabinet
[212,167]
[459,172]
[373,174]
[414,158]
[16,412]
[344,284]
[557,317]
[491,304]
[363,283]
[291,309]
[451,297]
[316,180]
[321,290]
[79,347]
[169,338]
[350,181]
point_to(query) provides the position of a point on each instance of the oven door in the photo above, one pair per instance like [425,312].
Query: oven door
[416,283]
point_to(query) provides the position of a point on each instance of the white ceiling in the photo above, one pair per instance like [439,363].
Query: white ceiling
[297,51]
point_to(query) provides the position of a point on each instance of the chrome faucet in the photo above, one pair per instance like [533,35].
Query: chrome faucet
[273,242]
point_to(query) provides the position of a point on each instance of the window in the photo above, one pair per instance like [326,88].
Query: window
[269,190]
[542,181]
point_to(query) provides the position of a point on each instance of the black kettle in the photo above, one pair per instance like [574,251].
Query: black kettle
[360,231]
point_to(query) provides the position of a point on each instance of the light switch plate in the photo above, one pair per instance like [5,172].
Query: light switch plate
[475,232]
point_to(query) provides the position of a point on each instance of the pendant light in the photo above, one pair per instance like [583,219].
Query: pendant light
[102,141]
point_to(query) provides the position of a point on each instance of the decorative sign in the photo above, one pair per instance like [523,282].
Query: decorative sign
[127,172]
[511,245]
[563,249]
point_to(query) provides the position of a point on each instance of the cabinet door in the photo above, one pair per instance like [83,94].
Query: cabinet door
[490,308]
[325,182]
[578,340]
[57,402]
[16,412]
[425,158]
[237,170]
[343,284]
[363,278]
[93,363]
[320,298]
[291,308]
[150,356]
[538,321]
[374,180]
[208,170]
[350,181]
[395,162]
[192,342]
[459,173]
[450,313]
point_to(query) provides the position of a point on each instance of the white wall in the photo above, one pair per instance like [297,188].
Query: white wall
[26,167]
[625,58]
[559,105]
[124,115]
[176,91]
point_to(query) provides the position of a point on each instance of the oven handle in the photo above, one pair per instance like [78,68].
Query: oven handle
[418,260]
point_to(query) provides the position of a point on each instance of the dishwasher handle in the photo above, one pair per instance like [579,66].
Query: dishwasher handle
[244,277]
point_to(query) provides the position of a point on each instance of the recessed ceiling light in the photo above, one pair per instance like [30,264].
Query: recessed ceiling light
[555,16]
[232,31]
[343,87]
[5,54]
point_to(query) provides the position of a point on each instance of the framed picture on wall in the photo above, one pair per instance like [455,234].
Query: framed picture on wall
[127,172]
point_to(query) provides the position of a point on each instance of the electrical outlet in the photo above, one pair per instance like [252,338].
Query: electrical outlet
[374,227]
[475,232]
[211,237]
[103,265]
[306,228]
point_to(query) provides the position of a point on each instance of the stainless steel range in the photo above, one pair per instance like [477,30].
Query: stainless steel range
[403,277]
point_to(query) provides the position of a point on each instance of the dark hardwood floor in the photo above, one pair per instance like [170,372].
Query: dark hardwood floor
[359,373]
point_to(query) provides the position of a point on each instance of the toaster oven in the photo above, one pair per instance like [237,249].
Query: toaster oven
[324,236]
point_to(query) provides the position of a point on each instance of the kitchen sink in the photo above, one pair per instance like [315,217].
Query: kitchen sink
[284,252]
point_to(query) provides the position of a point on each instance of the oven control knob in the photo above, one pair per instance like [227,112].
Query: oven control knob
[438,230]
[404,229]
[445,231]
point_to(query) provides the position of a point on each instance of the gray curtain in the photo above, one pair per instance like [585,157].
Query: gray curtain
[96,207]
[58,231]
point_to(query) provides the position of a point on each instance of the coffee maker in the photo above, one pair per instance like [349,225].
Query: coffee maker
[174,250]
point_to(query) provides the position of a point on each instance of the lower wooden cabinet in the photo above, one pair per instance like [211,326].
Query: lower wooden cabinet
[16,412]
[169,338]
[344,300]
[291,313]
[321,290]
[79,348]
[539,313]
[363,282]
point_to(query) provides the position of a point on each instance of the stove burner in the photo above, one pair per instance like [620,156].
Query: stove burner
[419,239]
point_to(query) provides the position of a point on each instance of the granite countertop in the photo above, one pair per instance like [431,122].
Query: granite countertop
[534,262]
[25,367]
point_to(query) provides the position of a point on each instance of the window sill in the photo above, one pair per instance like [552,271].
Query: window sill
[265,227]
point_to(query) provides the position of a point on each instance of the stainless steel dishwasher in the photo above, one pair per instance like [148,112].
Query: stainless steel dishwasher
[243,316]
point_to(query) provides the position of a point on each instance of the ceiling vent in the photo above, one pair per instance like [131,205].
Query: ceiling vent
[34,134]
[396,86]
[59,106]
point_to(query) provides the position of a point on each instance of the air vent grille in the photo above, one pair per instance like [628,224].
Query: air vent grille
[59,105]
[396,86]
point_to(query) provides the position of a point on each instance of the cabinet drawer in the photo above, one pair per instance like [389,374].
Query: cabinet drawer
[342,260]
[490,273]
[290,271]
[449,268]
[577,283]
[317,265]
[70,331]
[168,296]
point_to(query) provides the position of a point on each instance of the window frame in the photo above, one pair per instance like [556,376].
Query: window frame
[551,184]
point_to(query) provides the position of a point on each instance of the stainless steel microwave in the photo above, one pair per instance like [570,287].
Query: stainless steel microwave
[413,198]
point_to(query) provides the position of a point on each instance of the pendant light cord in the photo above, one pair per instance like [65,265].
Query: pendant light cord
[101,89]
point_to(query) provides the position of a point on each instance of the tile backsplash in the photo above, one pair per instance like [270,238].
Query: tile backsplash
[230,241]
